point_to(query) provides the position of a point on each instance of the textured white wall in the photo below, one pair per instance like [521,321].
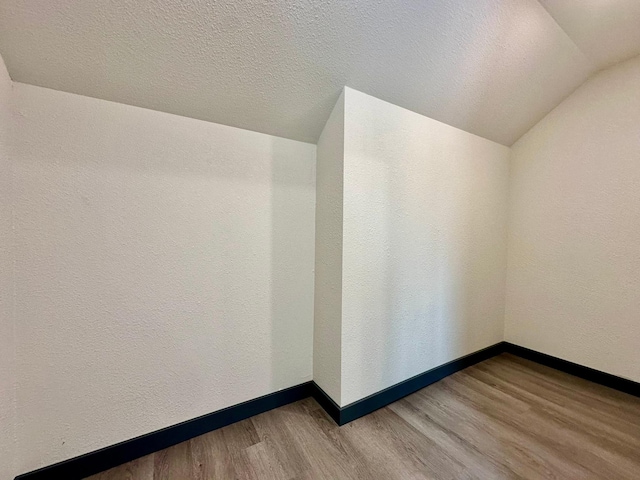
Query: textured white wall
[164,270]
[574,237]
[7,345]
[424,244]
[327,326]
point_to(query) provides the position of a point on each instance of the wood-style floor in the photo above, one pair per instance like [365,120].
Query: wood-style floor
[503,418]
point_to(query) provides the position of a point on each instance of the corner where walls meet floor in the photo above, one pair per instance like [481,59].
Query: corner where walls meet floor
[109,457]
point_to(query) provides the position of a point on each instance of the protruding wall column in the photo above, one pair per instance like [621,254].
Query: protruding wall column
[410,246]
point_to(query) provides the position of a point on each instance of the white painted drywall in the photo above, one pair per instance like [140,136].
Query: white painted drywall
[424,245]
[7,344]
[327,326]
[574,228]
[164,270]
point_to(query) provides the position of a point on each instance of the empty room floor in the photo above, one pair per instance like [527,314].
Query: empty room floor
[503,418]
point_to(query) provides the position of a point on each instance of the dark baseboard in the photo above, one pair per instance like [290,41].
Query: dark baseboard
[595,376]
[326,402]
[109,457]
[396,392]
[360,408]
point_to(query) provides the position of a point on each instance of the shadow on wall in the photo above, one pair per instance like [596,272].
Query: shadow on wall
[428,296]
[149,265]
[424,244]
[424,265]
[292,266]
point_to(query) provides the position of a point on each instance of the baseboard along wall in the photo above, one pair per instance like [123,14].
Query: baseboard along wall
[100,460]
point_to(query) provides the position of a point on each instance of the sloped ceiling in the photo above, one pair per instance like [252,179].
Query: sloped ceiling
[607,31]
[491,67]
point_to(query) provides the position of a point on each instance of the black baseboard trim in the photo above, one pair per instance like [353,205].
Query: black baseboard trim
[587,373]
[360,408]
[396,392]
[326,402]
[109,457]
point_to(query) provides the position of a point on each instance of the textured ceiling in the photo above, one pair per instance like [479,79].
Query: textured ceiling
[607,31]
[491,67]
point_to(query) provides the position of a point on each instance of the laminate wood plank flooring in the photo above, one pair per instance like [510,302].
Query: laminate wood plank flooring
[504,418]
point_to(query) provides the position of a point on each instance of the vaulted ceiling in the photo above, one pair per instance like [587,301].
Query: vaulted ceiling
[491,67]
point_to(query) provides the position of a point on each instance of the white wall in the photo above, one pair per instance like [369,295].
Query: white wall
[163,266]
[574,237]
[7,344]
[164,270]
[424,244]
[327,325]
